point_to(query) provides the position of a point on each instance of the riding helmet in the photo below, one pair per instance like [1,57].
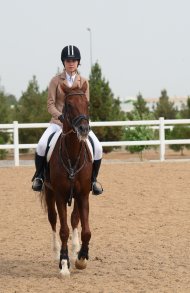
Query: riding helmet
[70,52]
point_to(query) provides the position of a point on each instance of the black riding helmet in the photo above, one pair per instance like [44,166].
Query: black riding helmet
[70,52]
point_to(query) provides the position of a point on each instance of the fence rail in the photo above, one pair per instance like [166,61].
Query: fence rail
[162,124]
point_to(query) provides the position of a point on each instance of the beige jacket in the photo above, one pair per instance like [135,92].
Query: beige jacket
[56,96]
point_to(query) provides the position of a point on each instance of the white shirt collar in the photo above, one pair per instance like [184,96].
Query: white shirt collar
[70,79]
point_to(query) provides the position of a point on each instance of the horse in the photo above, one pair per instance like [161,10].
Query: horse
[69,178]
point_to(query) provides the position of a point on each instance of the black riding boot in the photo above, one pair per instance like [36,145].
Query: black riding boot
[38,177]
[96,187]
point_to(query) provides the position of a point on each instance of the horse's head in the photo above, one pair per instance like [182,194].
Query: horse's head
[75,110]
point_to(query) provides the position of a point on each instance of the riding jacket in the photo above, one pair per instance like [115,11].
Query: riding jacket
[56,95]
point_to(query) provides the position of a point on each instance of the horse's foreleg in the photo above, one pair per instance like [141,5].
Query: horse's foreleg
[83,207]
[64,263]
[52,217]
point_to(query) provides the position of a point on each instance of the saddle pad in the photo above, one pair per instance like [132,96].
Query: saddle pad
[53,143]
[90,148]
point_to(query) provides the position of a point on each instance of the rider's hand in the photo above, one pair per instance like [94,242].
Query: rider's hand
[61,118]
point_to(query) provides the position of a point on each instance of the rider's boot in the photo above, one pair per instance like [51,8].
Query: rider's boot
[38,177]
[96,186]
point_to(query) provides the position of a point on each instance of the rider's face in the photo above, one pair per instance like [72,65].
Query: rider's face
[71,65]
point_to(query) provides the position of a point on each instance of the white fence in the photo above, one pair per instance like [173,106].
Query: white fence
[162,124]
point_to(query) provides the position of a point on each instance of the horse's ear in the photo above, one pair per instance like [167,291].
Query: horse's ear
[84,87]
[65,88]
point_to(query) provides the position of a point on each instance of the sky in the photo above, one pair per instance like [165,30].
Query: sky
[141,45]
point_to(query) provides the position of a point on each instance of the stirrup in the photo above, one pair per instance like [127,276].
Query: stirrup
[96,190]
[37,184]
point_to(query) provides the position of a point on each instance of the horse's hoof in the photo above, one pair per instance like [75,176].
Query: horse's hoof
[81,264]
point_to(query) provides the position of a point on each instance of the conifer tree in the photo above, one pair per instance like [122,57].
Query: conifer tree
[185,111]
[6,102]
[164,107]
[140,109]
[31,108]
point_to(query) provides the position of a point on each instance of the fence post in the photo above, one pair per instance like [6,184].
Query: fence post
[16,143]
[162,139]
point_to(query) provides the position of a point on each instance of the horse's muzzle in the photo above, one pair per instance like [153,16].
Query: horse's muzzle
[82,131]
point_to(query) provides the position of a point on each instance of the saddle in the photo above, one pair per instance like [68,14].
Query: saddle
[52,140]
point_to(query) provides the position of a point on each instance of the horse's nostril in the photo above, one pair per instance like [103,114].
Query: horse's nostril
[83,128]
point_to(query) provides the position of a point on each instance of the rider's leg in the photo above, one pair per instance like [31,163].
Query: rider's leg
[96,188]
[38,177]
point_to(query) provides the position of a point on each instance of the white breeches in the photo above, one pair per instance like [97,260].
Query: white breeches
[42,144]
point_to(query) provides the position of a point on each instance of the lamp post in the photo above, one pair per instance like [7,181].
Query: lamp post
[88,29]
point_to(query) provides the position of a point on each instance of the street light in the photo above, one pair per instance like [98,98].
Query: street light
[88,29]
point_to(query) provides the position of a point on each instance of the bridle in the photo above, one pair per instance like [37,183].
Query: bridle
[72,169]
[76,120]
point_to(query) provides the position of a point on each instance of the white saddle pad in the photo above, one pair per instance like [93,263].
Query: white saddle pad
[53,143]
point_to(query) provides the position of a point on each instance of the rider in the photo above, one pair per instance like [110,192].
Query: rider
[70,57]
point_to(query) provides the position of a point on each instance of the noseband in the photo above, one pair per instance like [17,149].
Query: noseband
[75,121]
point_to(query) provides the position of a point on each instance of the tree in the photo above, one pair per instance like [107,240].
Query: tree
[32,107]
[7,103]
[5,117]
[179,132]
[140,112]
[138,133]
[185,111]
[165,108]
[4,109]
[103,106]
[140,109]
[140,106]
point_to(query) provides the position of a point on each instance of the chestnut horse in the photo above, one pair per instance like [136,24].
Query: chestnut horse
[69,177]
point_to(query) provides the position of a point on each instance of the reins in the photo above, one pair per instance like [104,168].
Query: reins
[72,171]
